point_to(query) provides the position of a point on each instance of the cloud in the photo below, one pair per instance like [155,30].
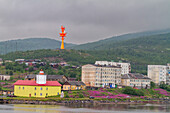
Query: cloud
[85,20]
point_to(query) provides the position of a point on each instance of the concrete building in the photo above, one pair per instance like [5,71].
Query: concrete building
[168,74]
[135,80]
[125,67]
[5,77]
[101,76]
[159,73]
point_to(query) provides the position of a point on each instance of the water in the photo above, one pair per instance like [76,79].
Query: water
[25,108]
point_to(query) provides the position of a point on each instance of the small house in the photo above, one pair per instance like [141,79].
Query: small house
[74,85]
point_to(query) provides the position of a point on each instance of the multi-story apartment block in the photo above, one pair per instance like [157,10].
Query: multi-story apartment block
[135,80]
[168,74]
[159,73]
[125,67]
[100,76]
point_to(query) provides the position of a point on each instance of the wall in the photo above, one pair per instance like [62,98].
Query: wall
[52,90]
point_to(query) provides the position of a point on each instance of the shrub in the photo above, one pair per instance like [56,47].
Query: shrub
[66,96]
[81,96]
[131,91]
[152,84]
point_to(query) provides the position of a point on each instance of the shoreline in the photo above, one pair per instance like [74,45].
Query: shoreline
[86,101]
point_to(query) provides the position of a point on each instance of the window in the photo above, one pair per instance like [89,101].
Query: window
[47,88]
[40,94]
[46,94]
[19,87]
[35,94]
[35,88]
[41,88]
[23,87]
[58,93]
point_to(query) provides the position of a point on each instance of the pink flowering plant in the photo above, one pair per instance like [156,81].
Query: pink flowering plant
[163,92]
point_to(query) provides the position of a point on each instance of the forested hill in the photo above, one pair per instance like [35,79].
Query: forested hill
[30,44]
[139,52]
[106,43]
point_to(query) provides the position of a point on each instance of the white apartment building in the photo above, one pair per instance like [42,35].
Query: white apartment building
[168,74]
[101,76]
[159,73]
[136,80]
[125,67]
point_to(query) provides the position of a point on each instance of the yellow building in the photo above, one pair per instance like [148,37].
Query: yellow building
[74,85]
[38,88]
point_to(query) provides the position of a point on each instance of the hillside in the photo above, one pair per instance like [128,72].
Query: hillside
[105,44]
[139,52]
[30,44]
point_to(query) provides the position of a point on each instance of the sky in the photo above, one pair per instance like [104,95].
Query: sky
[85,20]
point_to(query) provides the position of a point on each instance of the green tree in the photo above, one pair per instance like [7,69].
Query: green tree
[131,91]
[31,69]
[11,78]
[81,95]
[152,85]
[7,72]
[10,72]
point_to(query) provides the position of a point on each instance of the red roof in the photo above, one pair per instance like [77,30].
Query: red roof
[33,83]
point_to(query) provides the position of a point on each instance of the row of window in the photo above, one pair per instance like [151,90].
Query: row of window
[108,76]
[108,73]
[73,88]
[137,84]
[46,94]
[107,69]
[107,80]
[139,80]
[35,88]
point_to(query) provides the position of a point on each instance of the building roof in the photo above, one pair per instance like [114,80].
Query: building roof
[103,65]
[71,79]
[55,76]
[48,76]
[134,76]
[30,76]
[33,83]
[77,83]
[107,66]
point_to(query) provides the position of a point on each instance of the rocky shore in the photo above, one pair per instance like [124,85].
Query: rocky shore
[94,102]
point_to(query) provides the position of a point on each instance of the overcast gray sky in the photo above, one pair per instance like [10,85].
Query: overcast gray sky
[85,20]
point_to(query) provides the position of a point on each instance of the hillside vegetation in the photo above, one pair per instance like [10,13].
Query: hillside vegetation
[30,44]
[109,42]
[140,52]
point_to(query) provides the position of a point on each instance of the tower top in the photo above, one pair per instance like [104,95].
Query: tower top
[41,78]
[62,35]
[41,72]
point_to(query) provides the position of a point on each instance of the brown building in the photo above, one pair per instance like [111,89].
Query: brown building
[71,79]
[135,80]
[74,85]
[101,76]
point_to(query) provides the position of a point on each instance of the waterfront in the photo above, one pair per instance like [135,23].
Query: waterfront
[73,108]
